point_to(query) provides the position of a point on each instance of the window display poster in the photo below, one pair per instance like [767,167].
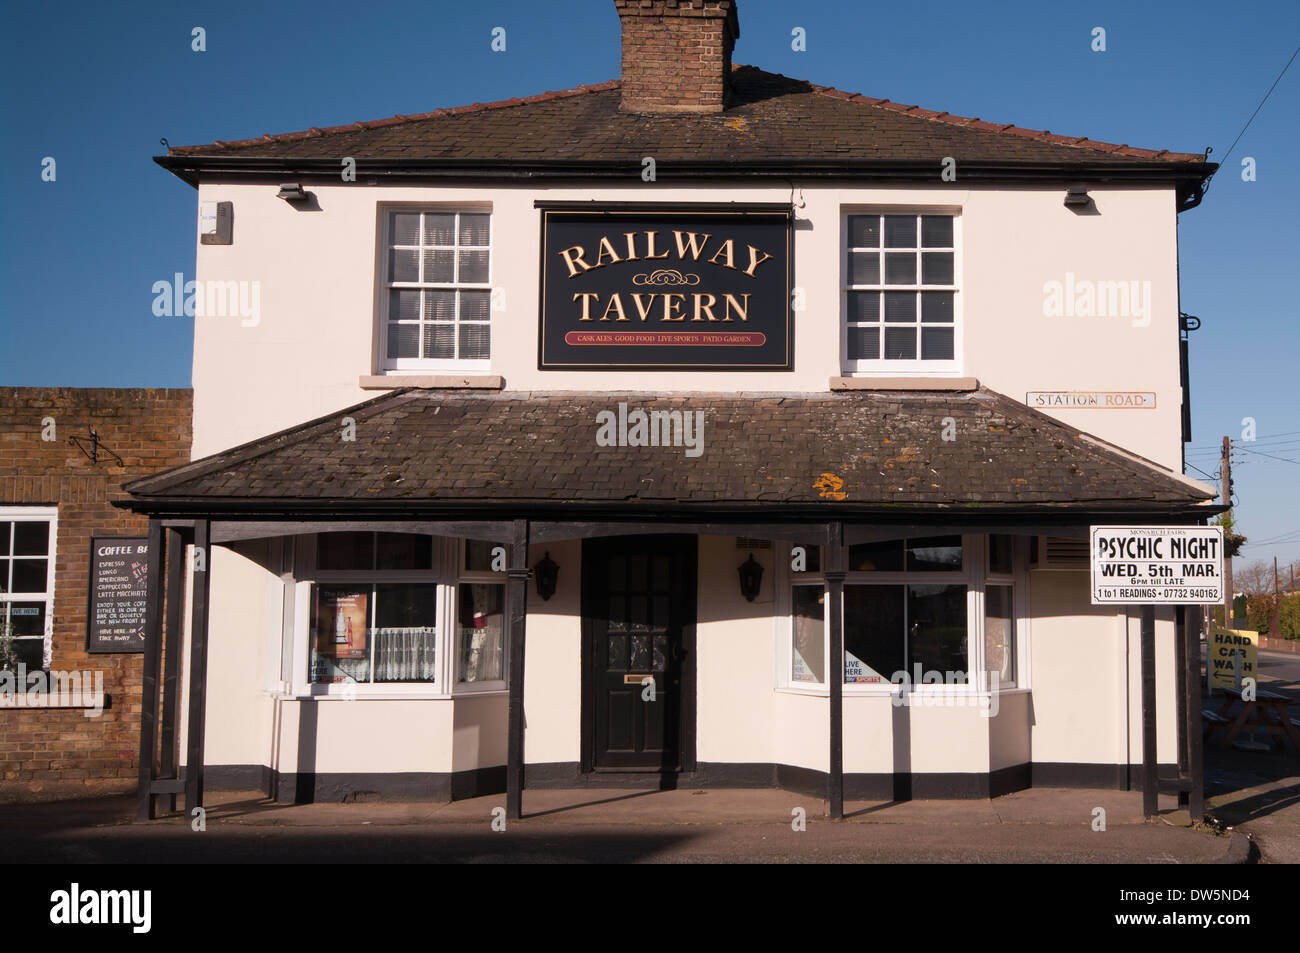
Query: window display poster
[856,671]
[341,618]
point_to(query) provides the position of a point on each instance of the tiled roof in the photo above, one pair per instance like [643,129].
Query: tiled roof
[857,450]
[772,117]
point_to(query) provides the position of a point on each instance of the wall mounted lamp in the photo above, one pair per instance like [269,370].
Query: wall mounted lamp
[751,577]
[546,573]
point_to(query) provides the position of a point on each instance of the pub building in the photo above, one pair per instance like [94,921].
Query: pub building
[676,430]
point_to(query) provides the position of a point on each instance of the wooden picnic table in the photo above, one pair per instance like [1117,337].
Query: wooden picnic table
[1266,713]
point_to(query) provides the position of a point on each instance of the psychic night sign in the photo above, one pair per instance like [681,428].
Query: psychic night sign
[676,288]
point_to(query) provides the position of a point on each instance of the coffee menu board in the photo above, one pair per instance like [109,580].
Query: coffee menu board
[119,570]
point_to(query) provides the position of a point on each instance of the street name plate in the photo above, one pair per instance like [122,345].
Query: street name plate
[1145,565]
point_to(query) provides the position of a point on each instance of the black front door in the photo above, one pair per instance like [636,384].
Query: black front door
[638,596]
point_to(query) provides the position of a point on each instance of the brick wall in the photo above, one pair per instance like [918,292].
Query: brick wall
[676,54]
[57,752]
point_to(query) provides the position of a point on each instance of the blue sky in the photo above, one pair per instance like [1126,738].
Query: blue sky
[95,86]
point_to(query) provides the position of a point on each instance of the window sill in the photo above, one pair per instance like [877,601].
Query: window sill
[904,383]
[431,381]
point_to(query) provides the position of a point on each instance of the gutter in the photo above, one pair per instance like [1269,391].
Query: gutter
[1188,177]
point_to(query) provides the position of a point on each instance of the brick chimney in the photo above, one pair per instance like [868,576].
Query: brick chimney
[677,54]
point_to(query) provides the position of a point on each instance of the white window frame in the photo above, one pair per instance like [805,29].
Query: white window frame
[446,574]
[33,514]
[468,576]
[398,366]
[972,575]
[918,367]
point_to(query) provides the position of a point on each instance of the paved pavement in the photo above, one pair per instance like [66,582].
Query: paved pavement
[1037,826]
[1259,792]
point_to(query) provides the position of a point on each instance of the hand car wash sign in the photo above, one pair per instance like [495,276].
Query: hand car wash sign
[665,288]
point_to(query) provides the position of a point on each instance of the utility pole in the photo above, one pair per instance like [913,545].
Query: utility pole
[1225,491]
[1273,631]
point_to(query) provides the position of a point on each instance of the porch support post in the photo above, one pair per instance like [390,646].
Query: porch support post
[1150,783]
[834,575]
[169,765]
[1192,686]
[1180,695]
[201,560]
[144,805]
[517,607]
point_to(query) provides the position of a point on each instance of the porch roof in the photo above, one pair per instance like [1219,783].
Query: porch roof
[821,455]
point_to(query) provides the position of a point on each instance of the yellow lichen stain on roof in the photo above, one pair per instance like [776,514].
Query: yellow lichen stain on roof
[829,485]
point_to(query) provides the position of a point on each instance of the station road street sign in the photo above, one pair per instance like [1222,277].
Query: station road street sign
[1156,565]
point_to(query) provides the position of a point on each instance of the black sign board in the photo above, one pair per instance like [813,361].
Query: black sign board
[666,288]
[119,570]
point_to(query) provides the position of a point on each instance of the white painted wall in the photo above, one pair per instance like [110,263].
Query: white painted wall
[318,274]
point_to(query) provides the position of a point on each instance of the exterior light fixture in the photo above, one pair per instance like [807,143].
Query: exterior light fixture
[751,577]
[292,192]
[1077,197]
[546,572]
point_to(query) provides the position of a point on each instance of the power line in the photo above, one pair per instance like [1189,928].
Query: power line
[1262,454]
[1224,160]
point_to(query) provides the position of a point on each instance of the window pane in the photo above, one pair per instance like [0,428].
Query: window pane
[345,551]
[937,344]
[864,306]
[900,306]
[936,231]
[999,634]
[1000,553]
[406,228]
[403,340]
[340,626]
[873,633]
[475,342]
[404,551]
[438,266]
[473,267]
[440,306]
[936,617]
[478,556]
[900,231]
[31,538]
[404,306]
[440,340]
[6,528]
[934,554]
[900,344]
[864,268]
[29,652]
[936,306]
[26,618]
[877,557]
[29,575]
[474,229]
[481,613]
[474,305]
[404,265]
[900,268]
[439,228]
[864,344]
[936,268]
[808,655]
[864,231]
[405,633]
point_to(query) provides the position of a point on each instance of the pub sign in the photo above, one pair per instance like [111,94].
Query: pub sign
[665,288]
